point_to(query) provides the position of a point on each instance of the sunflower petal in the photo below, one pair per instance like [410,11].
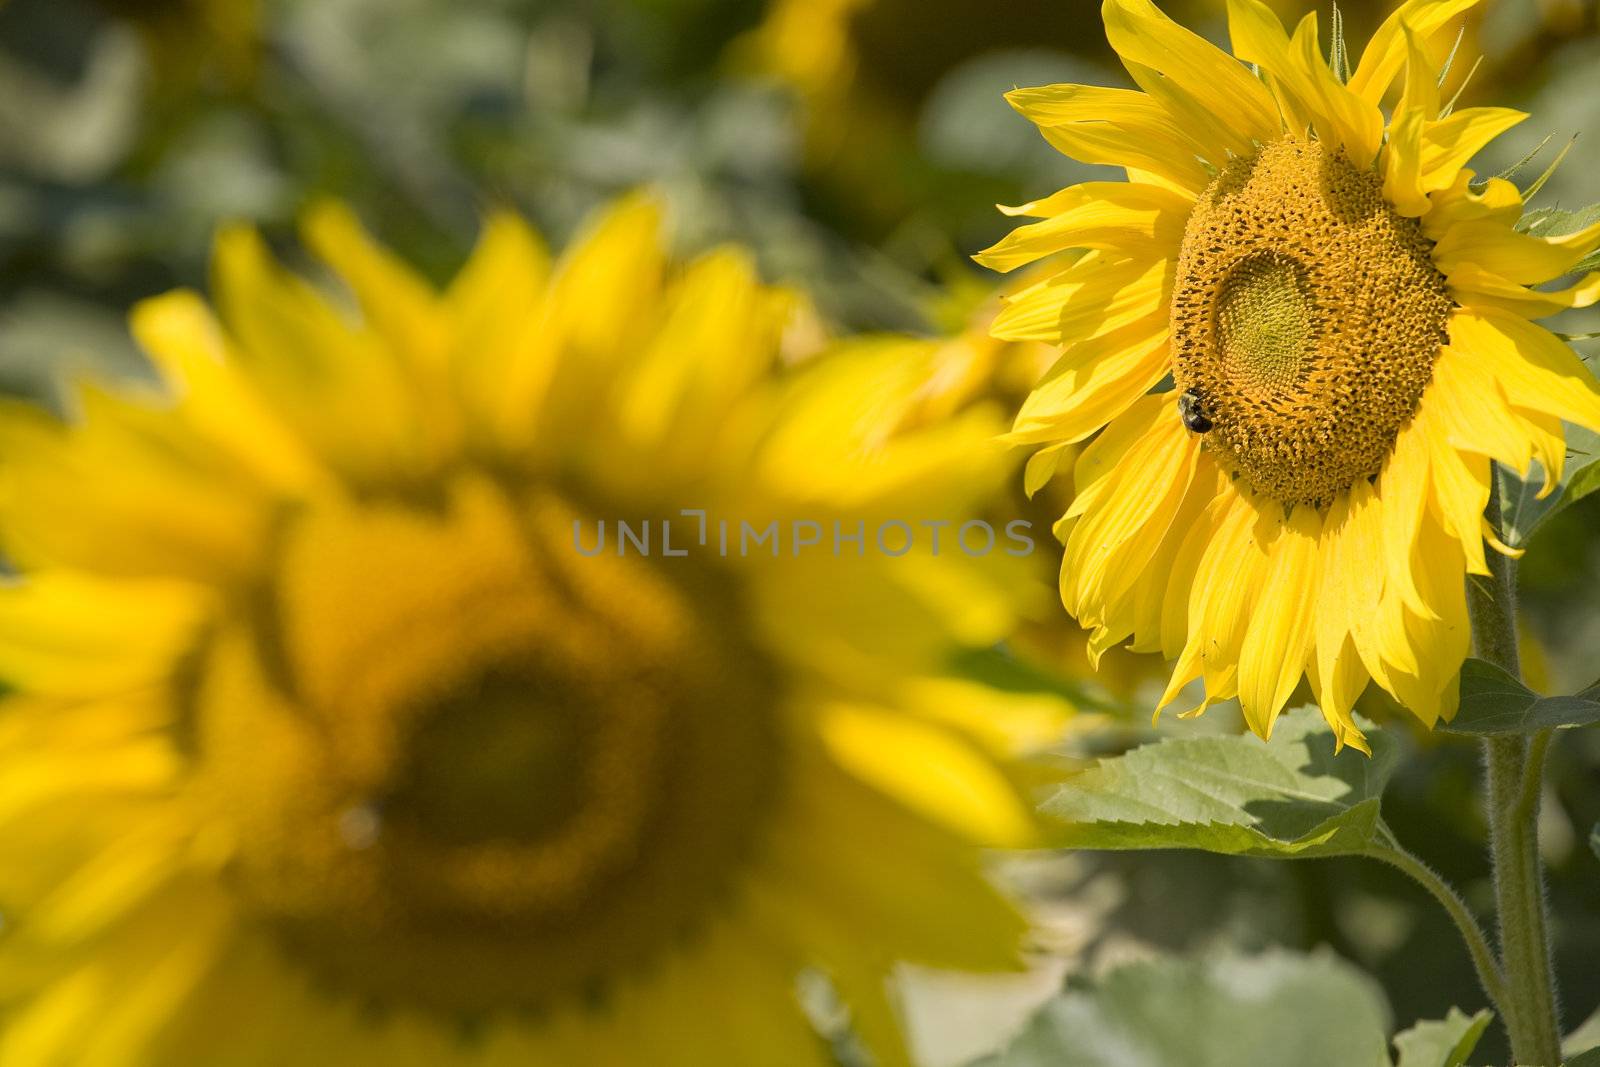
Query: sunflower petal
[1340,117]
[1386,52]
[1281,630]
[1219,85]
[1114,127]
[1118,216]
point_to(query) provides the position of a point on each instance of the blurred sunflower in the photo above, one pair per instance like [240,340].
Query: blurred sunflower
[334,741]
[969,367]
[1345,312]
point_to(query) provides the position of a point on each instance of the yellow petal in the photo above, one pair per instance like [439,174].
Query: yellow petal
[1282,622]
[1337,682]
[1474,413]
[338,386]
[1516,257]
[719,332]
[1169,573]
[1192,546]
[1386,51]
[1094,381]
[1419,104]
[65,633]
[1440,641]
[1112,545]
[1340,117]
[1537,370]
[1459,483]
[1361,562]
[127,491]
[1220,87]
[931,769]
[1117,216]
[1402,165]
[578,341]
[1449,145]
[186,343]
[1458,202]
[1093,298]
[1227,581]
[395,299]
[1042,467]
[884,874]
[1479,287]
[1114,127]
[496,304]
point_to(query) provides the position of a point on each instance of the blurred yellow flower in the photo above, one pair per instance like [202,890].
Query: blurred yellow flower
[335,739]
[1345,311]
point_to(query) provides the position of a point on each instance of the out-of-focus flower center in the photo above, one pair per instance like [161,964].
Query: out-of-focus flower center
[549,777]
[1305,320]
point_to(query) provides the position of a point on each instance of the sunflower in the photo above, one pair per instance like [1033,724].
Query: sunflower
[1345,312]
[336,739]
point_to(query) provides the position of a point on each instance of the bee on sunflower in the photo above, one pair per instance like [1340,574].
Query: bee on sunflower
[329,742]
[1346,314]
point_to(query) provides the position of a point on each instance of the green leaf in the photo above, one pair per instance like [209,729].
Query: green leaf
[1556,222]
[1226,1012]
[1290,797]
[1585,1059]
[1443,1042]
[1493,702]
[1594,840]
[1521,510]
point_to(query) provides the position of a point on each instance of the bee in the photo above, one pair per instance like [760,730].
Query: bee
[1192,410]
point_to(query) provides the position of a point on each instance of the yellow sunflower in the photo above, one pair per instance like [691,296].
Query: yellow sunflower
[1344,310]
[336,738]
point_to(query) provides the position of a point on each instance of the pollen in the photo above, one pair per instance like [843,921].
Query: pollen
[1306,317]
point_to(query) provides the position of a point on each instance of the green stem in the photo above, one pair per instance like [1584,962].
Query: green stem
[1477,943]
[1513,771]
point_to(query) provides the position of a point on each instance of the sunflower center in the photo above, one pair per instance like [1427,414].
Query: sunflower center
[537,786]
[1264,321]
[1305,321]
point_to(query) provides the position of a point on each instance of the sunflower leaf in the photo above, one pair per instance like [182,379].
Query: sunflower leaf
[1557,222]
[1220,1012]
[1291,796]
[1493,702]
[1522,512]
[1443,1042]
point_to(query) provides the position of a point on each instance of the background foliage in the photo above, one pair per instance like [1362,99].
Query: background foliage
[858,146]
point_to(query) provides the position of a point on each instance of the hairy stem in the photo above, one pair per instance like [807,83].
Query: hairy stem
[1513,770]
[1483,959]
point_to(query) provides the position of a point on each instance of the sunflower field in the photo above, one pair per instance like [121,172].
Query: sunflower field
[572,533]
